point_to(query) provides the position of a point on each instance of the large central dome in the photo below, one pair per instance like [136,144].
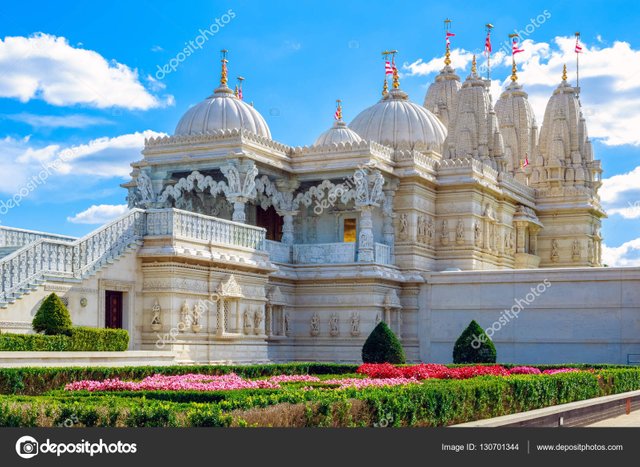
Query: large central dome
[397,122]
[222,111]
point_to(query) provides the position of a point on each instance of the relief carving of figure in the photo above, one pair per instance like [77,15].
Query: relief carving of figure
[246,322]
[430,231]
[404,226]
[422,229]
[333,325]
[185,315]
[555,248]
[155,320]
[315,325]
[460,232]
[257,321]
[444,237]
[575,250]
[355,324]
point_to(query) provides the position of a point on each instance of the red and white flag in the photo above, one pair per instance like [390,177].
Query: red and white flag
[388,69]
[448,37]
[487,44]
[578,46]
[240,93]
[526,161]
[515,49]
[393,67]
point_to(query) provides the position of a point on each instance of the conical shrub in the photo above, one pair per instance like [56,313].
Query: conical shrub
[52,317]
[382,346]
[474,346]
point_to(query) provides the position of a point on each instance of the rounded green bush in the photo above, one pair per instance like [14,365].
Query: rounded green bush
[474,346]
[52,317]
[382,346]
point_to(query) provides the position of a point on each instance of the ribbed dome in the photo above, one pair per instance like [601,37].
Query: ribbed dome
[222,111]
[397,122]
[338,133]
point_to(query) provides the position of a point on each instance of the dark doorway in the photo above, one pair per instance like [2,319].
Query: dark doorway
[270,220]
[113,310]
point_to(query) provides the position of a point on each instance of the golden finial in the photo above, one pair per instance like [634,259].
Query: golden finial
[385,87]
[396,79]
[235,91]
[338,110]
[564,72]
[514,70]
[223,74]
[474,69]
[447,53]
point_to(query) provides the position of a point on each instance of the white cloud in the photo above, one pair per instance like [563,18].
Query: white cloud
[460,57]
[101,158]
[47,67]
[614,187]
[625,255]
[58,121]
[99,214]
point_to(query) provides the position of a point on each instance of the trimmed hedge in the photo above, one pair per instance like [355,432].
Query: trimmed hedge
[432,403]
[79,339]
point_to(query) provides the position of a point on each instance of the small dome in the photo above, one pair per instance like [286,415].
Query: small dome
[222,111]
[338,133]
[397,122]
[442,94]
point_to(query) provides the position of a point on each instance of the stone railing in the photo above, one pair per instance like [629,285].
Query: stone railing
[30,263]
[383,253]
[12,237]
[278,252]
[193,226]
[324,253]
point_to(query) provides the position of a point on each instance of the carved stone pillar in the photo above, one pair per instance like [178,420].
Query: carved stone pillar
[520,232]
[239,214]
[399,319]
[268,320]
[241,182]
[388,230]
[387,315]
[287,226]
[533,239]
[221,315]
[365,238]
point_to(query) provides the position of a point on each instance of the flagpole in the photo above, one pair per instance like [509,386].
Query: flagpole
[447,55]
[577,65]
[488,27]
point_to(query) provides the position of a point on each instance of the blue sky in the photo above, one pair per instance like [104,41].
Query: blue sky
[83,78]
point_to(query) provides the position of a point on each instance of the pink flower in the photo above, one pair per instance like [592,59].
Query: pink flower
[524,370]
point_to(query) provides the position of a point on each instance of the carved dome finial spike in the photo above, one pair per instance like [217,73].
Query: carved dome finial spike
[474,69]
[385,87]
[338,115]
[564,72]
[223,73]
[396,78]
[514,71]
[447,53]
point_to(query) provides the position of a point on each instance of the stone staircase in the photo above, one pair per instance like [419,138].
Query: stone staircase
[12,239]
[48,257]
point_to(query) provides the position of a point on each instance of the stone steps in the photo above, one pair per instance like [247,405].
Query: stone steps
[96,268]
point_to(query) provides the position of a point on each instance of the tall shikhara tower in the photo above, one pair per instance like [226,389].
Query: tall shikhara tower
[567,178]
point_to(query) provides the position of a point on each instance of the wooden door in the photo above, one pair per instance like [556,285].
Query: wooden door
[113,310]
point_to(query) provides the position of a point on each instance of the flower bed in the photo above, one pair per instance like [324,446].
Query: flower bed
[188,382]
[374,375]
[431,370]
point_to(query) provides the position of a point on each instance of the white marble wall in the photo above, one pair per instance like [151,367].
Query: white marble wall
[583,315]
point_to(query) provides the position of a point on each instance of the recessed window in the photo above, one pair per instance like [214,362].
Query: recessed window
[349,234]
